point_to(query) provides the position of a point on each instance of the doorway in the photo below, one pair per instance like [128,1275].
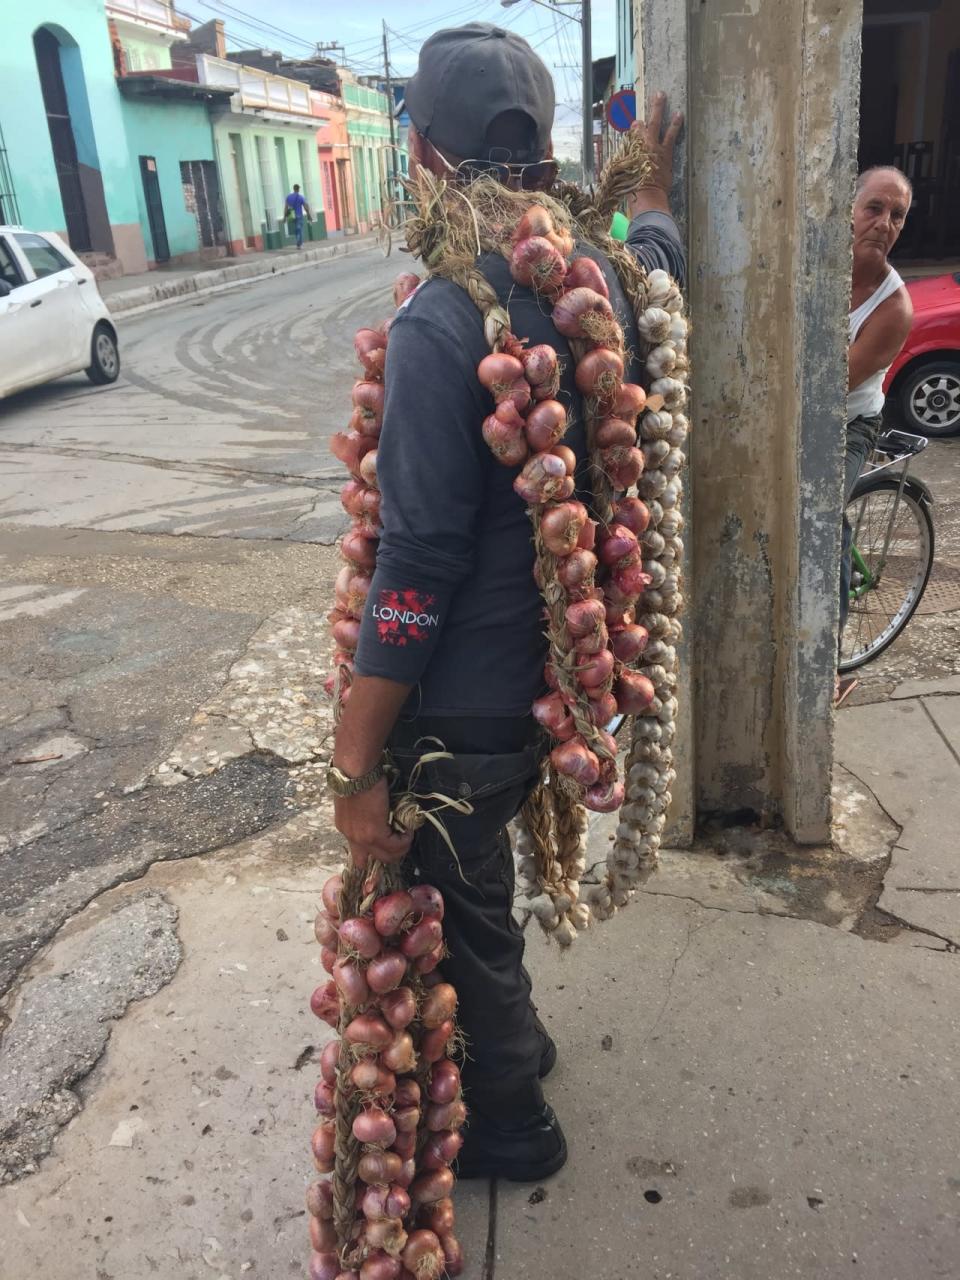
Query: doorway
[47,50]
[343,185]
[331,196]
[201,194]
[154,202]
[879,96]
[910,114]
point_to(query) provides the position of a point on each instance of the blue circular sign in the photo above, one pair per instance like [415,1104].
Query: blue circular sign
[622,110]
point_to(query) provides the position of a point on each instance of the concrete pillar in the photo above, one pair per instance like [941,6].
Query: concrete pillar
[765,185]
[660,46]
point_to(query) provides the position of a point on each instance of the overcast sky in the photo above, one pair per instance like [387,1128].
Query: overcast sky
[356,24]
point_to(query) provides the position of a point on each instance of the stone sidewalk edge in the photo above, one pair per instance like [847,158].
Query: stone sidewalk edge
[151,297]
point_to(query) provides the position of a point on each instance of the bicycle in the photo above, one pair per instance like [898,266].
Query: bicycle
[893,544]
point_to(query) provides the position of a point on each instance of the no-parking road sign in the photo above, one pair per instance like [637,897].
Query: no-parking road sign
[622,110]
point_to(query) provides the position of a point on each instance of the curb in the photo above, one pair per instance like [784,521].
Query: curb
[131,302]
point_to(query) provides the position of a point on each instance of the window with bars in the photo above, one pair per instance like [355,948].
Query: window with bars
[9,209]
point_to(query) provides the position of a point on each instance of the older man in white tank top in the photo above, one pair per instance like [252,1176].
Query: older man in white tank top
[880,318]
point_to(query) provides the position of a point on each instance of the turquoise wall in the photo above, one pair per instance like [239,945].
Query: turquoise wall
[98,126]
[170,132]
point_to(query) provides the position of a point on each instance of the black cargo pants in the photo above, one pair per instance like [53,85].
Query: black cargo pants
[494,768]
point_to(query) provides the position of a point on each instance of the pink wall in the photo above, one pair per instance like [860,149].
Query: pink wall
[334,154]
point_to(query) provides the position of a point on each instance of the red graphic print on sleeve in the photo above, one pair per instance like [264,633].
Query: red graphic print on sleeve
[404,617]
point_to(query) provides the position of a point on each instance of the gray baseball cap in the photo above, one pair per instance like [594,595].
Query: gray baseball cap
[466,77]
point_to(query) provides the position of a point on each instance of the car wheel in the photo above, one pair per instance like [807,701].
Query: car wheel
[930,399]
[104,356]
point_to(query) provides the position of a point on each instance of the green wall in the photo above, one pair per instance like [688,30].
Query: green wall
[170,132]
[250,130]
[100,133]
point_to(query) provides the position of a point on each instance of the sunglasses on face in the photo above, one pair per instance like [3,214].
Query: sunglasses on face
[525,177]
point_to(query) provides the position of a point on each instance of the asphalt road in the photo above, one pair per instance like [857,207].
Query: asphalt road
[217,425]
[165,569]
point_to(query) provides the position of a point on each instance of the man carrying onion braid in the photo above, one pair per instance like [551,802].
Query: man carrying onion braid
[452,645]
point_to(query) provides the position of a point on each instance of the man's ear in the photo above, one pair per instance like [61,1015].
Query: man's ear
[415,149]
[426,156]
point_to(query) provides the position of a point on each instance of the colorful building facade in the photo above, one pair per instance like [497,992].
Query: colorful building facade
[336,172]
[169,135]
[265,141]
[65,141]
[130,131]
[368,131]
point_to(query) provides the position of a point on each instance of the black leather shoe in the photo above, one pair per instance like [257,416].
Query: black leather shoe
[527,1152]
[548,1054]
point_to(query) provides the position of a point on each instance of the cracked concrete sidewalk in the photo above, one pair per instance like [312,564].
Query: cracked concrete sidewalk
[757,1057]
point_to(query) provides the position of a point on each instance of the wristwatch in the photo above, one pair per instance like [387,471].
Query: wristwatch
[342,785]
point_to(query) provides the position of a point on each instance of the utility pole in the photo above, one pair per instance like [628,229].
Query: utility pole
[587,92]
[586,69]
[393,128]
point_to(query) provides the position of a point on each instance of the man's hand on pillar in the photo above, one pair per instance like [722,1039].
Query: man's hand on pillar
[659,145]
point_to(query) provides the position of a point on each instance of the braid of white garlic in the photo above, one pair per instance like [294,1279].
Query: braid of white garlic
[663,431]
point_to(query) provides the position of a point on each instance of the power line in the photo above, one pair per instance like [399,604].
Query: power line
[419,26]
[241,18]
[439,20]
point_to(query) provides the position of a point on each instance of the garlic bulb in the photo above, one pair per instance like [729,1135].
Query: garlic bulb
[579,916]
[543,908]
[654,453]
[671,524]
[652,485]
[659,287]
[661,361]
[679,328]
[673,391]
[655,426]
[565,932]
[656,572]
[654,325]
[653,543]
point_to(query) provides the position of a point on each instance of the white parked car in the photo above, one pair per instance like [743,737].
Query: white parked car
[52,318]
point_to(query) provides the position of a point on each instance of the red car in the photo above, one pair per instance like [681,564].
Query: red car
[923,385]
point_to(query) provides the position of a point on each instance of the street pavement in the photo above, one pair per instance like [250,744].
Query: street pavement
[169,284]
[757,1058]
[218,424]
[929,648]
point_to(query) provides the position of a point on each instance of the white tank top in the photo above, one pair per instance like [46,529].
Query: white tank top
[867,400]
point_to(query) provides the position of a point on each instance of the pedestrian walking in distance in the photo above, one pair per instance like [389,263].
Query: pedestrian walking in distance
[451,647]
[296,207]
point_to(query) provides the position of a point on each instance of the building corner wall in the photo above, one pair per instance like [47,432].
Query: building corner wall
[762,189]
[829,130]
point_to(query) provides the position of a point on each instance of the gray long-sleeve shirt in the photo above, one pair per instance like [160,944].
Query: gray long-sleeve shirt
[453,608]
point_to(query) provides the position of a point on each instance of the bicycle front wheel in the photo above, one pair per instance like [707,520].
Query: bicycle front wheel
[892,558]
